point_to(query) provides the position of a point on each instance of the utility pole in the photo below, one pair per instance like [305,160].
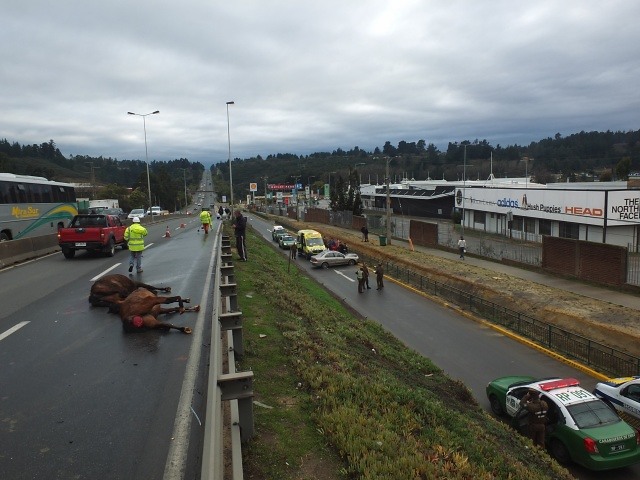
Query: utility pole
[93,179]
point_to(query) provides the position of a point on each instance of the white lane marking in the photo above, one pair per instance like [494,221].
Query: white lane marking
[348,278]
[13,329]
[147,246]
[105,272]
[176,458]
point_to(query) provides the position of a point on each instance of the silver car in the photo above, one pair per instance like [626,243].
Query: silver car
[331,258]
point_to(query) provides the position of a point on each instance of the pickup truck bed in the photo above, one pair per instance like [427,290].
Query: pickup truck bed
[97,233]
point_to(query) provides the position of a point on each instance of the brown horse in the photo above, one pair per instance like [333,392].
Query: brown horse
[110,290]
[142,308]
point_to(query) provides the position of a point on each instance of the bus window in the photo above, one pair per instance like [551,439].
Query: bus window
[4,193]
[23,196]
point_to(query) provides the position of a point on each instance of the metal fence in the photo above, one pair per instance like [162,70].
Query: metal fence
[633,266]
[588,352]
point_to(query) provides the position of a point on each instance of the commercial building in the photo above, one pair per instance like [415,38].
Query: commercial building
[602,212]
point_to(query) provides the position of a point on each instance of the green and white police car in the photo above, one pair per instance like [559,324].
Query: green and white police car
[580,428]
[623,394]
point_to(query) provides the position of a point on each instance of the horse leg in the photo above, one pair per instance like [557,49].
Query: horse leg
[168,326]
[150,321]
[153,288]
[162,311]
[175,299]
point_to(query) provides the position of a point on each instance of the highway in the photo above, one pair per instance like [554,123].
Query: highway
[81,399]
[464,349]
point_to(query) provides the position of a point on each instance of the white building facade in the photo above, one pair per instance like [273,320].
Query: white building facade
[595,212]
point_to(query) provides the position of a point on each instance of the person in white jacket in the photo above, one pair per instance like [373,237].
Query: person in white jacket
[462,246]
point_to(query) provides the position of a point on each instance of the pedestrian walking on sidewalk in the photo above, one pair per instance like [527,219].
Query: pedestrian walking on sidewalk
[365,233]
[462,246]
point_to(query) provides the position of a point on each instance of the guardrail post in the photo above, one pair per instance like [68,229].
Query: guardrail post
[239,386]
[232,321]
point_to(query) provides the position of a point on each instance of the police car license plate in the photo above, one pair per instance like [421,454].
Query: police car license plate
[81,244]
[617,448]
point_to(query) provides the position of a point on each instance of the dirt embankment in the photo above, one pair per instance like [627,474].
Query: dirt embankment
[615,326]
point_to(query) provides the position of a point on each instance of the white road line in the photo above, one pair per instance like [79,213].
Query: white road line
[147,246]
[13,329]
[105,272]
[348,278]
[176,458]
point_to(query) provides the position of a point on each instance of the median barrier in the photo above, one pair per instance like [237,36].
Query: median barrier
[14,251]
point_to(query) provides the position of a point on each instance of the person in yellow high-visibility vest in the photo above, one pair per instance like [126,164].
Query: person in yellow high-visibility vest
[134,235]
[205,219]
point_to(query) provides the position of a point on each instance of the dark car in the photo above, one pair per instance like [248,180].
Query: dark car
[118,212]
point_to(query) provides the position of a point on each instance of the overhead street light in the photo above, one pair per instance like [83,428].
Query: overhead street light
[146,153]
[388,219]
[230,174]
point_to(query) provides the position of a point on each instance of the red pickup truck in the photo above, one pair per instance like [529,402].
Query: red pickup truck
[98,233]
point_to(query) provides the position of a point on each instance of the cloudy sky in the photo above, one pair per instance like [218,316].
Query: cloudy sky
[312,76]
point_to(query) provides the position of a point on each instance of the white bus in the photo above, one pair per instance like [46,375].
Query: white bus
[32,206]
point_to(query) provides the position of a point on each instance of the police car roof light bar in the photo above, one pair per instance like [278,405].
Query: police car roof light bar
[562,383]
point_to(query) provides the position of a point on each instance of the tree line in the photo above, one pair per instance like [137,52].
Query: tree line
[583,156]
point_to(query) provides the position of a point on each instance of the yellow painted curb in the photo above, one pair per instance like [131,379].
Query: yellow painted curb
[577,365]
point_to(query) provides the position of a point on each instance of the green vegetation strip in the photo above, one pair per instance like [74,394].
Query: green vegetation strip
[339,397]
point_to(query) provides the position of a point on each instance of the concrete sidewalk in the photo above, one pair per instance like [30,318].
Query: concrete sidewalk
[610,295]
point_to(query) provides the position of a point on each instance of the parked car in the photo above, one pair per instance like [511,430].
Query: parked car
[580,428]
[277,230]
[331,258]
[286,241]
[622,394]
[136,212]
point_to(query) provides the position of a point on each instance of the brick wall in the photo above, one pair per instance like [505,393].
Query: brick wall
[595,262]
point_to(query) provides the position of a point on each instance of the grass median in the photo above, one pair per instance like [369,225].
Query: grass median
[339,397]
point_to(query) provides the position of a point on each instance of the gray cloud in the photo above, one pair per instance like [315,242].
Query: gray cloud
[312,76]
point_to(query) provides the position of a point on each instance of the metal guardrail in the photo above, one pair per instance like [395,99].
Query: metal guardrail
[588,352]
[225,384]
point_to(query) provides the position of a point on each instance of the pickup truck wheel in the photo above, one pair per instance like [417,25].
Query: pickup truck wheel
[68,252]
[111,248]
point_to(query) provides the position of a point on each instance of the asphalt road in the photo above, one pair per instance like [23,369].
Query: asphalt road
[81,399]
[465,349]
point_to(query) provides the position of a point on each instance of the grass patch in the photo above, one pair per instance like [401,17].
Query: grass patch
[348,400]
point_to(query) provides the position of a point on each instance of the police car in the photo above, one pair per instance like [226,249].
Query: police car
[580,427]
[623,394]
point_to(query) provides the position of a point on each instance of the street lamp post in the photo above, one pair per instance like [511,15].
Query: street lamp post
[146,153]
[388,205]
[230,174]
[464,187]
[184,171]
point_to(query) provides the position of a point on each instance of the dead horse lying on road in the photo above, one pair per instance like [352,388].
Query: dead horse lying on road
[141,309]
[110,290]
